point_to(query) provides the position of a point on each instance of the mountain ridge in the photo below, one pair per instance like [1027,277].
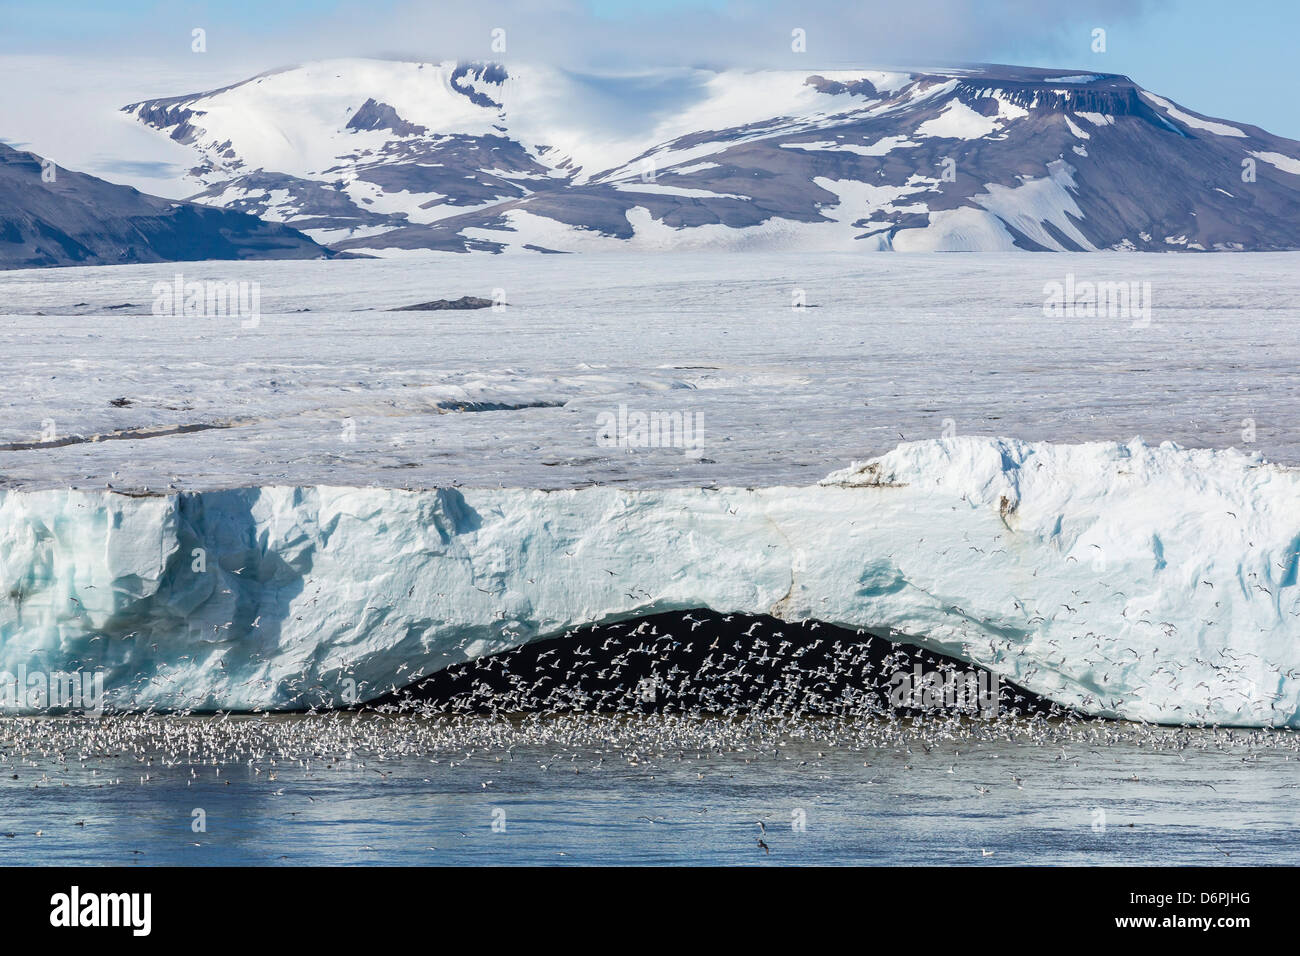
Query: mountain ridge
[394,157]
[51,216]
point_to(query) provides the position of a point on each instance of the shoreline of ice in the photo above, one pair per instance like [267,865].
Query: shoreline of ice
[1150,583]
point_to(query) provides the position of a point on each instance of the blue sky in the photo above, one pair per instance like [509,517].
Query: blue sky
[1226,59]
[1233,60]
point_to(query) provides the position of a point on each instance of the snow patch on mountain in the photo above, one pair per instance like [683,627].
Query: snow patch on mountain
[1195,122]
[957,230]
[958,121]
[1287,164]
[1037,203]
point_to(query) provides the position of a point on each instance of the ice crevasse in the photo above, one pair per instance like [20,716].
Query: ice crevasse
[1122,579]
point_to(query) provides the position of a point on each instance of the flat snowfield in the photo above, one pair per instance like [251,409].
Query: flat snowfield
[314,381]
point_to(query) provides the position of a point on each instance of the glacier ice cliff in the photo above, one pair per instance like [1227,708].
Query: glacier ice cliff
[1152,583]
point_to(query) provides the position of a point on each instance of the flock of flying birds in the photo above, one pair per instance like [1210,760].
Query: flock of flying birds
[672,682]
[666,695]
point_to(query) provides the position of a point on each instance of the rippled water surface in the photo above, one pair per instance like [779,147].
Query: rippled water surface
[595,790]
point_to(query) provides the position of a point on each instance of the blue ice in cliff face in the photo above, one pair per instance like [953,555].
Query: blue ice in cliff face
[1151,583]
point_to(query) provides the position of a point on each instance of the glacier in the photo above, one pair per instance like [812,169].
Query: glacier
[895,345]
[1152,583]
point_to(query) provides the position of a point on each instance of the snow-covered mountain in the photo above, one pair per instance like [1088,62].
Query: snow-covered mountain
[389,157]
[51,216]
